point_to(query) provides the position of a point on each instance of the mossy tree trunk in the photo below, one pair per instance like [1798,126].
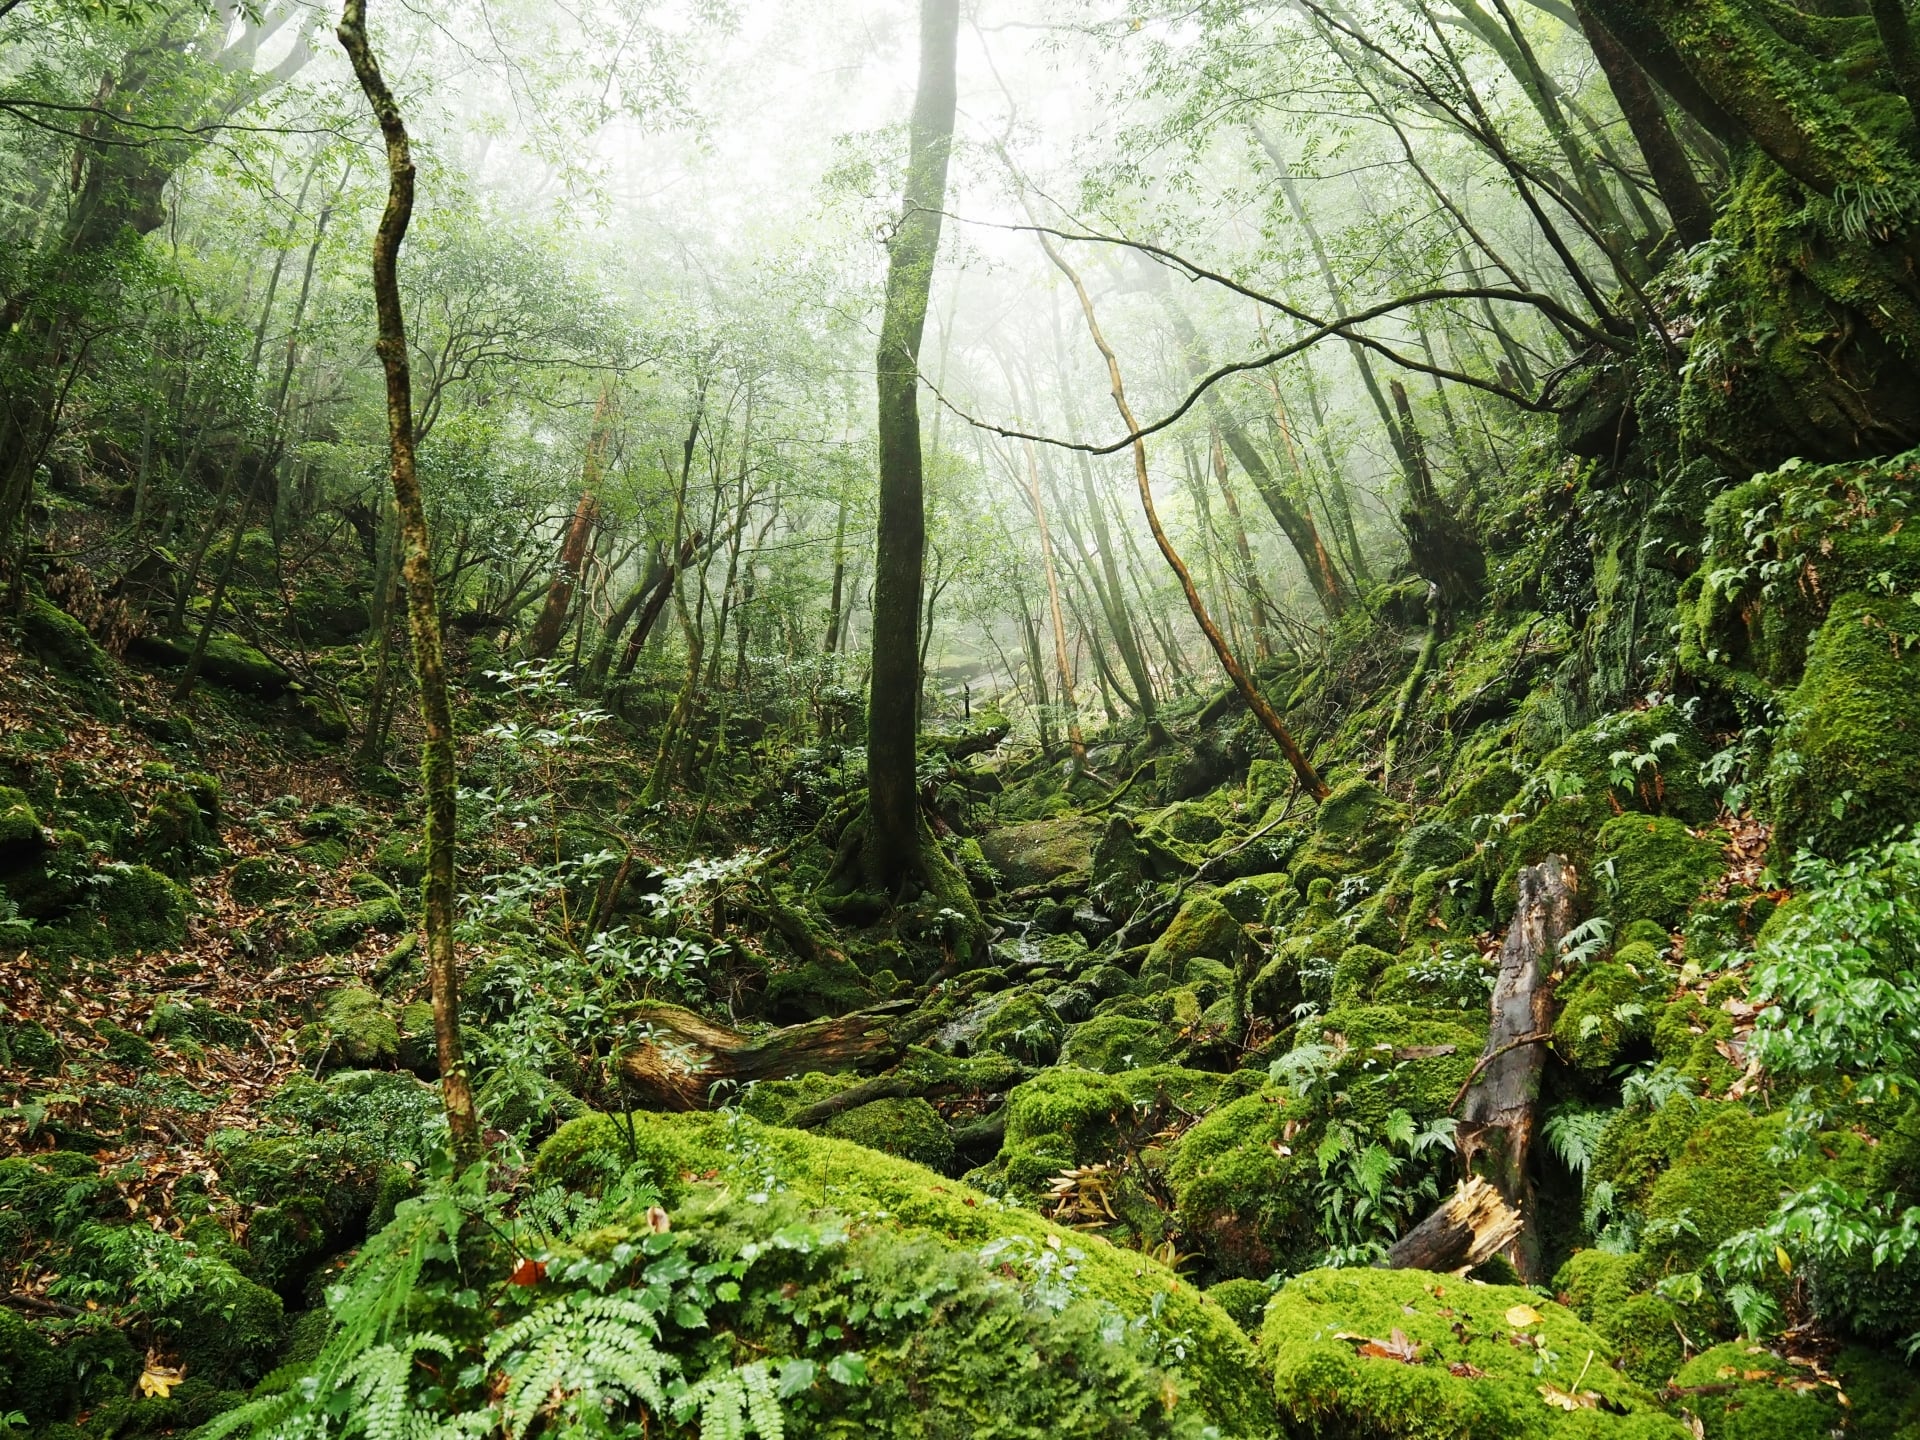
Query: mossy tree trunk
[891,858]
[437,772]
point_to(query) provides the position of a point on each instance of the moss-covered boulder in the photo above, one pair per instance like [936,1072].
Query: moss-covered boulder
[354,1032]
[1025,1028]
[1405,1355]
[178,833]
[1203,927]
[1243,1191]
[1605,1007]
[1111,1043]
[1743,1391]
[1611,1293]
[1654,868]
[1251,899]
[1059,1119]
[1218,1375]
[128,909]
[1355,972]
[22,840]
[1041,850]
[338,930]
[1353,831]
[235,665]
[907,1127]
[259,879]
[1845,765]
[34,1379]
[59,641]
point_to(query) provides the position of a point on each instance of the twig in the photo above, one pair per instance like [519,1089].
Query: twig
[1485,1060]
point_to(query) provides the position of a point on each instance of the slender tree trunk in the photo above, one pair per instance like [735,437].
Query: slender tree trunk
[892,854]
[552,623]
[1309,778]
[838,600]
[437,773]
[1243,552]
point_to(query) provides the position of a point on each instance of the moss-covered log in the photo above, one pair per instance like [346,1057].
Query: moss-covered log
[688,1063]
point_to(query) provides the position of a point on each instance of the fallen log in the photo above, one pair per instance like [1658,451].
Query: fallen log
[1499,1105]
[1471,1226]
[924,1073]
[687,1063]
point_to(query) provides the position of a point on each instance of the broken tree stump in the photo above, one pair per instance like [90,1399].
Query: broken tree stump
[683,1057]
[1471,1226]
[1499,1105]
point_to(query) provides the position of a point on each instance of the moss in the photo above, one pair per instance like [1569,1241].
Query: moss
[1604,1009]
[1248,1206]
[259,879]
[236,665]
[338,930]
[1203,926]
[1219,1374]
[176,834]
[1250,900]
[1608,1291]
[354,1032]
[1885,1394]
[1194,822]
[417,1043]
[1742,1391]
[1111,1043]
[1720,1181]
[1041,850]
[60,641]
[1326,1387]
[1025,1028]
[1245,1300]
[1609,757]
[136,909]
[1687,1036]
[21,838]
[1355,972]
[33,1378]
[1845,766]
[123,1047]
[1438,975]
[1654,868]
[816,989]
[907,1127]
[1353,831]
[1486,792]
[228,1329]
[1060,1119]
[401,857]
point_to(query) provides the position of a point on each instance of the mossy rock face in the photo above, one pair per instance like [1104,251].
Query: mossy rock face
[34,1378]
[907,1127]
[1041,850]
[1219,1377]
[1608,1291]
[1245,1300]
[1474,1373]
[235,665]
[1026,1028]
[1111,1043]
[137,909]
[1743,1391]
[401,858]
[1203,927]
[1127,860]
[1189,821]
[1567,827]
[1658,867]
[177,835]
[1604,1008]
[1647,760]
[1353,831]
[1248,1205]
[59,641]
[227,1329]
[1484,793]
[354,1032]
[1355,972]
[1250,898]
[338,930]
[1845,766]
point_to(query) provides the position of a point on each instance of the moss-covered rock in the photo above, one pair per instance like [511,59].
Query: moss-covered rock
[1486,1362]
[819,988]
[1243,1191]
[1245,1300]
[1203,927]
[1609,1292]
[1041,850]
[1059,1119]
[354,1032]
[1353,831]
[22,840]
[59,641]
[134,908]
[236,665]
[1743,1391]
[176,835]
[259,879]
[1604,1008]
[1355,972]
[338,930]
[1654,868]
[34,1379]
[1025,1028]
[1218,1376]
[1845,765]
[907,1127]
[1110,1043]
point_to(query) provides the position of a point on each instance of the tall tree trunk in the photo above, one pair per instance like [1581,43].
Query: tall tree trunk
[437,773]
[1243,553]
[552,623]
[1063,667]
[1270,720]
[892,855]
[836,604]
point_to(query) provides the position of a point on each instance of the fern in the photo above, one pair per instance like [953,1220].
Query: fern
[596,1350]
[733,1404]
[1573,1134]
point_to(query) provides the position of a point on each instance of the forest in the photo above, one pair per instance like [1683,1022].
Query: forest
[800,718]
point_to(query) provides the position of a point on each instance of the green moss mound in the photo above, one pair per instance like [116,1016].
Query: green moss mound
[354,1032]
[1605,1008]
[1473,1375]
[1203,927]
[1654,868]
[1845,768]
[1608,1291]
[1219,1372]
[1743,1391]
[907,1127]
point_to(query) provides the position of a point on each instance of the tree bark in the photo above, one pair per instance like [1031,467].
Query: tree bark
[1499,1104]
[891,857]
[1680,190]
[1470,1227]
[552,621]
[437,773]
[686,1057]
